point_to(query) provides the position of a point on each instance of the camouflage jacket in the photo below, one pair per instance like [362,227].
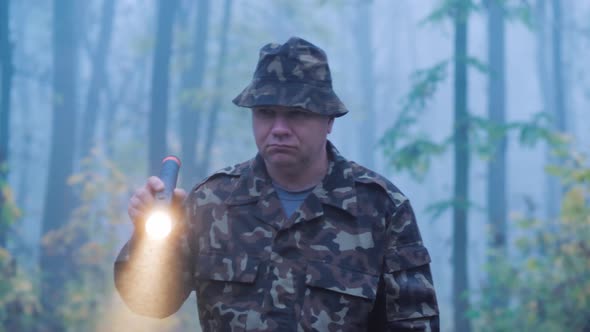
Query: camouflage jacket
[349,259]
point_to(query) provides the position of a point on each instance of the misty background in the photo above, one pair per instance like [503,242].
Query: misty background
[476,110]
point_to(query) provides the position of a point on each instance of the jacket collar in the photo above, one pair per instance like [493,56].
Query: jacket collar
[337,189]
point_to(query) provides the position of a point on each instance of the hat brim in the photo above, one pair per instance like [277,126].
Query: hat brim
[317,99]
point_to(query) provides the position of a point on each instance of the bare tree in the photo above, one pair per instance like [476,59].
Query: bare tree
[367,84]
[558,107]
[98,79]
[160,83]
[551,80]
[219,84]
[557,66]
[59,198]
[190,106]
[496,178]
[6,71]
[461,169]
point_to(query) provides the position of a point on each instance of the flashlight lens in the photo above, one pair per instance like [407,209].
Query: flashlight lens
[158,225]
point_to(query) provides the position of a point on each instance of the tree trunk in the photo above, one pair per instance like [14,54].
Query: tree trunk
[546,85]
[557,55]
[219,83]
[25,247]
[97,81]
[59,197]
[160,82]
[115,100]
[461,190]
[496,189]
[367,84]
[26,135]
[6,71]
[190,107]
[555,103]
[542,64]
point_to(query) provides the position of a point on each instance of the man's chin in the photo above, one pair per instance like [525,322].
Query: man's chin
[281,160]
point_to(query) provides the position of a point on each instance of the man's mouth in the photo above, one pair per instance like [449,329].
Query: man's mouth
[280,147]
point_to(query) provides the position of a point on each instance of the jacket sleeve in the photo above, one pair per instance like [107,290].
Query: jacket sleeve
[153,277]
[406,299]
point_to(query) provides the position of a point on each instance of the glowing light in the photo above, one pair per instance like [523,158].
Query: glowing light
[158,225]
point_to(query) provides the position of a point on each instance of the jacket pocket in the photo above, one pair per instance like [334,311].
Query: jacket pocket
[337,297]
[409,291]
[226,290]
[341,280]
[406,257]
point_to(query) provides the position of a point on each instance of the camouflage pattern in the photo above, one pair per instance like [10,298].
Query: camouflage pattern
[349,259]
[294,74]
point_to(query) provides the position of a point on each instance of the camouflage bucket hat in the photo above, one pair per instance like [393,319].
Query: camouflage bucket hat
[294,74]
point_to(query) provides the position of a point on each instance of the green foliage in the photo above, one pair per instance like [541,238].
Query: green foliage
[514,10]
[406,150]
[477,64]
[436,209]
[413,152]
[401,150]
[519,11]
[415,156]
[18,302]
[86,242]
[545,282]
[424,86]
[460,9]
[486,135]
[485,138]
[540,129]
[9,211]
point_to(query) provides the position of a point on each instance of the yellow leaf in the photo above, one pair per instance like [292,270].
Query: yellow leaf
[76,179]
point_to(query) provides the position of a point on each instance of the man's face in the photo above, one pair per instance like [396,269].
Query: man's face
[289,138]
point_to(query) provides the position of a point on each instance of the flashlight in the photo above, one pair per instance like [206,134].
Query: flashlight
[159,223]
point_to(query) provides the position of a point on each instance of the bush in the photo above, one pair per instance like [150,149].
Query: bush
[544,284]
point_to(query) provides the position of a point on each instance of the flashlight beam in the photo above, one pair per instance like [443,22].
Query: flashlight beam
[158,225]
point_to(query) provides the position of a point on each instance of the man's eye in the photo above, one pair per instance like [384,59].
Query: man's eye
[297,114]
[265,112]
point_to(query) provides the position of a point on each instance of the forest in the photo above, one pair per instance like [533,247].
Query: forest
[478,110]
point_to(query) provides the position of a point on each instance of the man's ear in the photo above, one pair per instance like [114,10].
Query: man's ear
[330,124]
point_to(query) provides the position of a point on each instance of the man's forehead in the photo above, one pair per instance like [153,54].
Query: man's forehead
[281,108]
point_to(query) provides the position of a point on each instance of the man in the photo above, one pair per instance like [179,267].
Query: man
[297,238]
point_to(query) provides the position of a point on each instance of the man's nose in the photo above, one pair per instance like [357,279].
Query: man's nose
[280,126]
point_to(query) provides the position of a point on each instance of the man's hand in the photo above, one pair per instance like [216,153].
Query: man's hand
[144,197]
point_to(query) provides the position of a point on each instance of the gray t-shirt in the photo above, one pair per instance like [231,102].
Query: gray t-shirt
[291,200]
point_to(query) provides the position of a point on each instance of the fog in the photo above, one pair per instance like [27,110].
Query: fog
[375,50]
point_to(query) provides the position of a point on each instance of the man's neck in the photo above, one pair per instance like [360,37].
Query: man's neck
[298,179]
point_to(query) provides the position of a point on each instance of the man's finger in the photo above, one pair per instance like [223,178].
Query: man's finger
[135,209]
[145,196]
[179,194]
[135,214]
[155,184]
